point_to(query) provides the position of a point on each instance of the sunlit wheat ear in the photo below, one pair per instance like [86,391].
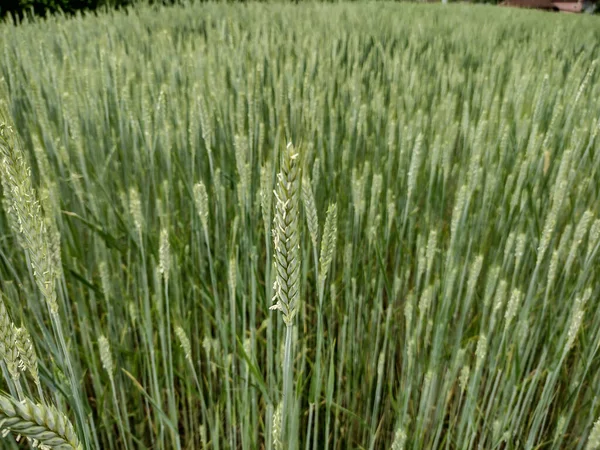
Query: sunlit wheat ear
[286,237]
[26,215]
[43,424]
[312,219]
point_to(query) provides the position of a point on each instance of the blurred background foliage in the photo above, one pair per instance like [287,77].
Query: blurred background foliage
[23,8]
[19,9]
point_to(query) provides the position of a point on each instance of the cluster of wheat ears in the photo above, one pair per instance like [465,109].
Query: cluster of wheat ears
[300,227]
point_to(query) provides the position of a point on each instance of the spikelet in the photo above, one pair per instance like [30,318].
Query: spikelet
[105,279]
[328,243]
[415,164]
[376,187]
[490,286]
[105,355]
[593,442]
[431,250]
[399,439]
[44,424]
[576,318]
[316,171]
[276,427]
[135,209]
[207,130]
[286,237]
[480,352]
[520,250]
[474,274]
[27,355]
[594,237]
[499,298]
[463,379]
[232,275]
[243,169]
[184,342]
[266,194]
[201,200]
[164,251]
[310,210]
[461,198]
[558,195]
[511,309]
[580,232]
[8,349]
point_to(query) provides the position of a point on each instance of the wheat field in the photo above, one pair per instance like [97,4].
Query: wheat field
[317,226]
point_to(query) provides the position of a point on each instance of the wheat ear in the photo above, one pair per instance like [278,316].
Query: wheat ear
[26,215]
[43,424]
[8,348]
[286,237]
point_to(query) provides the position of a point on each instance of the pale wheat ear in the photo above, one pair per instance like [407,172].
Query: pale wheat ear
[286,237]
[44,425]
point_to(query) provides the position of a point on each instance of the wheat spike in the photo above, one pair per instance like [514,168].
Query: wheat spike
[164,254]
[105,356]
[286,237]
[27,355]
[185,343]
[8,348]
[26,215]
[276,427]
[310,210]
[201,199]
[135,208]
[328,243]
[44,424]
[266,193]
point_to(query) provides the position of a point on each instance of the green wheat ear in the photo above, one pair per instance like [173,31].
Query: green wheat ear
[26,215]
[286,237]
[310,209]
[44,425]
[8,349]
[328,244]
